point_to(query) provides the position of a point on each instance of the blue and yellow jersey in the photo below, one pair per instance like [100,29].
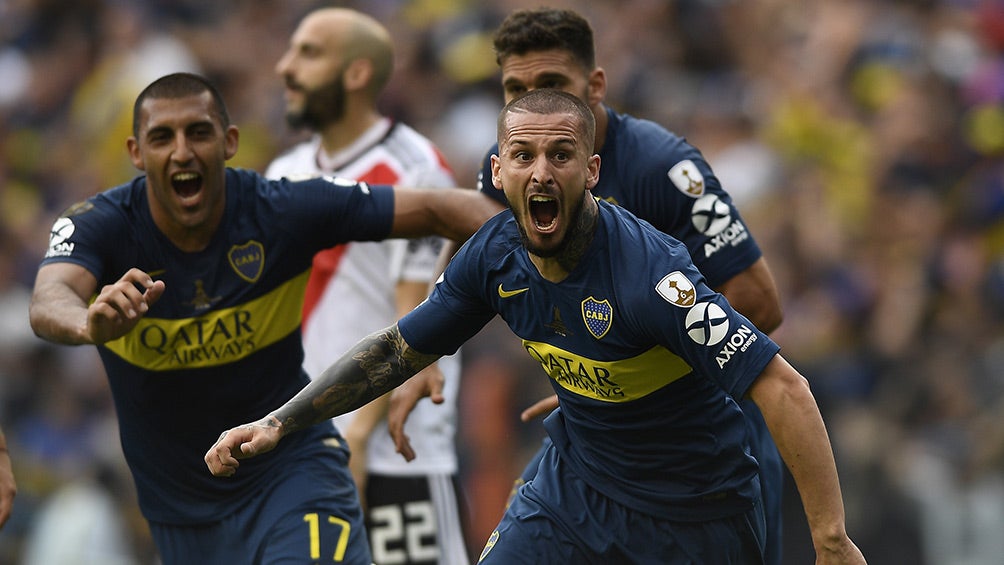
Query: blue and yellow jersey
[222,346]
[661,178]
[645,358]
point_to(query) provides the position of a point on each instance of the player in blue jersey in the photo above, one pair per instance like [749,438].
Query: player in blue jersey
[659,177]
[190,280]
[649,461]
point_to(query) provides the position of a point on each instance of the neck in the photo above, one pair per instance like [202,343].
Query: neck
[556,268]
[191,239]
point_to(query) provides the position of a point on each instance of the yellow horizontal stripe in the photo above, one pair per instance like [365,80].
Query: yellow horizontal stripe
[217,338]
[622,380]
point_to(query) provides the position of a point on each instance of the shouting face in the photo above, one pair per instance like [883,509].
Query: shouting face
[182,146]
[546,168]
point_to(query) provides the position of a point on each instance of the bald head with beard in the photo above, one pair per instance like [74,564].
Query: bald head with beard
[322,49]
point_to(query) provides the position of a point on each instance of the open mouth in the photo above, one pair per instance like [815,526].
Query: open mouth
[186,184]
[543,211]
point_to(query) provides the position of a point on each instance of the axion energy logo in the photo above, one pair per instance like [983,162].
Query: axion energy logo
[707,323]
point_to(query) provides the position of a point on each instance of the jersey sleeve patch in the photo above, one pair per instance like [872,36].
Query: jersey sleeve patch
[59,244]
[688,178]
[707,323]
[677,289]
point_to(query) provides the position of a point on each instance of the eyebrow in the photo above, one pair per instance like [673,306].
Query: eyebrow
[186,127]
[554,76]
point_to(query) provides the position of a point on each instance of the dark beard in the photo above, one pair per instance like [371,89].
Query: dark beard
[576,240]
[321,107]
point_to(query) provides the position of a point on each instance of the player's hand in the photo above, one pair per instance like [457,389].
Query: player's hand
[540,408]
[8,488]
[242,442]
[427,382]
[120,306]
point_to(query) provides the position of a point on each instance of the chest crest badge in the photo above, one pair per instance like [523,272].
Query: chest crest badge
[248,260]
[598,315]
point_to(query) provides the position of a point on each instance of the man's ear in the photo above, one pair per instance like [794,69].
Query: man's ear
[496,172]
[358,74]
[231,141]
[592,172]
[597,86]
[132,146]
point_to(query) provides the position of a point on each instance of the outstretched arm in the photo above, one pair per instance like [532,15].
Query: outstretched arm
[455,213]
[793,418]
[374,366]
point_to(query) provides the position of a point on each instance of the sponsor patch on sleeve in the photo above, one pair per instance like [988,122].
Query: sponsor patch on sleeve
[59,244]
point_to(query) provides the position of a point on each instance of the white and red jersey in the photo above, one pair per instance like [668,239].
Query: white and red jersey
[350,293]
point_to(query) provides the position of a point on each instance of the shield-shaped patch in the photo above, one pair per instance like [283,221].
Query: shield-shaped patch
[598,315]
[248,260]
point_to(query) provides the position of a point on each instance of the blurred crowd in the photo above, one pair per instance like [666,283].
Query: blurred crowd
[863,141]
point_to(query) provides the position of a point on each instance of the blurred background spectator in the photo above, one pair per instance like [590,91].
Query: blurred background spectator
[862,139]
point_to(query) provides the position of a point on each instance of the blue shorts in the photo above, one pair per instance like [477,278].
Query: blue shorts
[308,512]
[557,518]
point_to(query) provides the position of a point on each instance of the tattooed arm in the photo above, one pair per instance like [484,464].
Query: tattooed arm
[377,364]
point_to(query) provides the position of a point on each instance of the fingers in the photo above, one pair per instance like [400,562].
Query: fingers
[220,461]
[125,299]
[154,292]
[430,381]
[397,415]
[436,388]
[402,444]
[540,408]
[402,402]
[221,458]
[132,294]
[242,442]
[119,306]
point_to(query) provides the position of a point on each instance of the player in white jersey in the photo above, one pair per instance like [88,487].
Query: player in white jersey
[335,68]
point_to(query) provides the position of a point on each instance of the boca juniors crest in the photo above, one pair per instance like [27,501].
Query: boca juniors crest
[248,260]
[598,315]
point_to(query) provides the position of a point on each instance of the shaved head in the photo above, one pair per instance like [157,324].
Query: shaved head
[358,36]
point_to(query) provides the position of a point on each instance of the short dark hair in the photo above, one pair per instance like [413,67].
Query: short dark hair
[179,85]
[542,29]
[551,101]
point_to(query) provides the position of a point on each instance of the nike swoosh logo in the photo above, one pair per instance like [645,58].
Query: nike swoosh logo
[509,293]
